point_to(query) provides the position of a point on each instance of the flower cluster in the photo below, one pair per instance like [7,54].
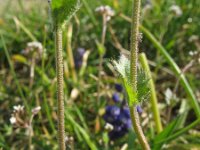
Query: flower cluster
[105,11]
[33,48]
[19,117]
[117,116]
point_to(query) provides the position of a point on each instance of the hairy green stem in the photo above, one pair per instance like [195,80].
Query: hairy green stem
[60,84]
[154,101]
[138,129]
[134,42]
[133,71]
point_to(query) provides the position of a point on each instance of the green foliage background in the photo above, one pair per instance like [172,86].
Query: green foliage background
[84,114]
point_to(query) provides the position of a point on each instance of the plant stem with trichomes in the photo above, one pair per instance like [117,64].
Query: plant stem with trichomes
[60,84]
[133,71]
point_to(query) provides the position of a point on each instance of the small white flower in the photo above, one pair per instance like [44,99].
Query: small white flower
[36,110]
[35,45]
[109,127]
[176,10]
[192,53]
[105,10]
[13,120]
[18,108]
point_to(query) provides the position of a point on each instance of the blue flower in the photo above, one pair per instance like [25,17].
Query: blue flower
[116,97]
[119,87]
[119,118]
[139,109]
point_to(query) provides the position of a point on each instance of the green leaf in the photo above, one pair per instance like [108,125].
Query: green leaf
[123,68]
[143,89]
[132,95]
[63,10]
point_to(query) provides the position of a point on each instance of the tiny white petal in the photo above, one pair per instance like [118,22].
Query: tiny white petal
[109,127]
[13,120]
[18,108]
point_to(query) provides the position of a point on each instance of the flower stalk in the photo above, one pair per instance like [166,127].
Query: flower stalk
[60,84]
[133,72]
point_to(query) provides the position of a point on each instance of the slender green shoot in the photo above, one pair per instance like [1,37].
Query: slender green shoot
[154,101]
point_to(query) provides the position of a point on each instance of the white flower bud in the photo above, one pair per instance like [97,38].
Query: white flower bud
[36,110]
[18,108]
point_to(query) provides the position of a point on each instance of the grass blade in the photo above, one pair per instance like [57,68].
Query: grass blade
[176,69]
[82,131]
[14,74]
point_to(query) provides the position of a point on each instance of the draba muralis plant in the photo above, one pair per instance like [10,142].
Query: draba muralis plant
[61,12]
[128,70]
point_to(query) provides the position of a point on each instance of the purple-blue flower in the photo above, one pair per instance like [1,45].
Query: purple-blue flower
[119,87]
[119,117]
[139,109]
[116,97]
